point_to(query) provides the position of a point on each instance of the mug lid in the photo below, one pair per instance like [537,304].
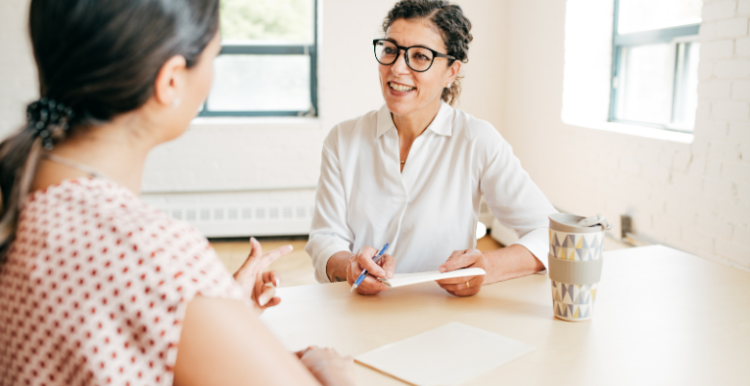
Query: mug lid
[578,224]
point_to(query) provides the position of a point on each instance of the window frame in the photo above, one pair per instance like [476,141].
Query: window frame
[670,35]
[276,49]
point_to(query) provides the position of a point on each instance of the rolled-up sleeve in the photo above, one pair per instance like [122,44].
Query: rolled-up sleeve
[514,199]
[329,232]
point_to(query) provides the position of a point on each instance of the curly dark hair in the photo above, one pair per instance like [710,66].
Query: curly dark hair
[450,21]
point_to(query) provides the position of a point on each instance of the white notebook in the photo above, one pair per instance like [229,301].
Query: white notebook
[402,279]
[448,355]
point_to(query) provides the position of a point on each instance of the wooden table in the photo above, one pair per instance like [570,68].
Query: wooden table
[662,317]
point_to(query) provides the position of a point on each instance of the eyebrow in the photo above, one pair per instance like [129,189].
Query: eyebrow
[392,40]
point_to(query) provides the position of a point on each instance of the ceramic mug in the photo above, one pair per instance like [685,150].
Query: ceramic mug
[575,263]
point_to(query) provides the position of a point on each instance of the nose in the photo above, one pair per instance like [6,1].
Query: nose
[399,66]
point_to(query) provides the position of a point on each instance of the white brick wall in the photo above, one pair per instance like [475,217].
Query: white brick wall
[723,211]
[691,196]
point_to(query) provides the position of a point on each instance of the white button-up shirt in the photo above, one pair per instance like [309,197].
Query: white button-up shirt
[431,208]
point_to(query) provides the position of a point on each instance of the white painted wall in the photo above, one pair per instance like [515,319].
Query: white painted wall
[695,196]
[18,85]
[279,153]
[244,153]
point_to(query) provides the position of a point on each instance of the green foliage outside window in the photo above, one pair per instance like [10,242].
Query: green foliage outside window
[289,21]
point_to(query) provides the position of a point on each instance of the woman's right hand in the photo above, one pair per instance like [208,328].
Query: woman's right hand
[260,286]
[327,366]
[363,260]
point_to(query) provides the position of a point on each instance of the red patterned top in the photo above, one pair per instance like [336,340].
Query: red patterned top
[96,286]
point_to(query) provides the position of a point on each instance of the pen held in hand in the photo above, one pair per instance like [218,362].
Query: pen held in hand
[364,272]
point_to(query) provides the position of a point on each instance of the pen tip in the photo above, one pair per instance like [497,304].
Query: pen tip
[353,288]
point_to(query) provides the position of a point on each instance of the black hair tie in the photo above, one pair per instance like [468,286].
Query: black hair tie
[47,116]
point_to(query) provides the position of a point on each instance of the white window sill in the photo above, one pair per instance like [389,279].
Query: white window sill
[254,121]
[638,131]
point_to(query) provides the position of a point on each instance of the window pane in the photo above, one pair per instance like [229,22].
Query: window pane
[642,15]
[261,82]
[686,85]
[269,21]
[645,84]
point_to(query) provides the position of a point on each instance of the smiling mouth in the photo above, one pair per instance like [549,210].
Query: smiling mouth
[400,87]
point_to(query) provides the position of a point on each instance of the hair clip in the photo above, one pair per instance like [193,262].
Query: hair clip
[47,116]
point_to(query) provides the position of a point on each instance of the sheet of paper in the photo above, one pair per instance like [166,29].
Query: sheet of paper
[402,279]
[448,355]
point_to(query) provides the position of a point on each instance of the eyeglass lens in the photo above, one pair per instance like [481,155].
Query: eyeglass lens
[417,58]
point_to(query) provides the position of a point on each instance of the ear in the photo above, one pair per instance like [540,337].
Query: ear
[453,71]
[170,81]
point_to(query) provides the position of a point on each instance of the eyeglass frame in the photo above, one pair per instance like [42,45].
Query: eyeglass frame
[406,56]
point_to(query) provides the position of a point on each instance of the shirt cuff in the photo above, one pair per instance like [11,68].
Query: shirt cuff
[321,263]
[537,242]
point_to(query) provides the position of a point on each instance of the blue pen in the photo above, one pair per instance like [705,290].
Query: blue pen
[364,273]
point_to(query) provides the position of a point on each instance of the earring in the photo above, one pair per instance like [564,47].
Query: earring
[176,103]
[449,85]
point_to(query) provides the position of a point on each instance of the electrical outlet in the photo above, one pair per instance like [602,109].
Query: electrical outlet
[626,226]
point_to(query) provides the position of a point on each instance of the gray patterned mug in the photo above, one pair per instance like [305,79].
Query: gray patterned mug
[575,263]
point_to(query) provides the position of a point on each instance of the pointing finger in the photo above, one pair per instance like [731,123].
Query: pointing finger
[274,255]
[255,249]
[248,267]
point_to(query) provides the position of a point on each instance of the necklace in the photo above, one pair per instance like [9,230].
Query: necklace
[75,165]
[403,162]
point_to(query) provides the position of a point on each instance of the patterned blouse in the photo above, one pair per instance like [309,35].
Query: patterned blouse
[95,288]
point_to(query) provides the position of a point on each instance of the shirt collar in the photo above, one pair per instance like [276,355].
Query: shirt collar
[441,125]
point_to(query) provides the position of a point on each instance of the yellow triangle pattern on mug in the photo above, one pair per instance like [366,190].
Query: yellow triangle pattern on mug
[576,246]
[573,302]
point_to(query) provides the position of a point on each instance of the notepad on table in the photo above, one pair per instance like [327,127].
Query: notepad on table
[448,355]
[402,279]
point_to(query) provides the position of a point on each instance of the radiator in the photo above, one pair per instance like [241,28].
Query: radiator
[252,213]
[240,214]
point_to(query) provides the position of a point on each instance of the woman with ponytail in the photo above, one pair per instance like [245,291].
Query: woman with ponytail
[95,286]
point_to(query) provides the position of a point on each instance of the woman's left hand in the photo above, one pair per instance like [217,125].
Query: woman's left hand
[465,285]
[261,286]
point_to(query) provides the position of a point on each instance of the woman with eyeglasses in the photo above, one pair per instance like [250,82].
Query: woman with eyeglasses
[96,287]
[412,173]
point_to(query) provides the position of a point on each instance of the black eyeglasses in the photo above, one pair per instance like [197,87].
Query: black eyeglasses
[418,58]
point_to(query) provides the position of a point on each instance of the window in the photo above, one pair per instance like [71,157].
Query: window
[655,63]
[267,65]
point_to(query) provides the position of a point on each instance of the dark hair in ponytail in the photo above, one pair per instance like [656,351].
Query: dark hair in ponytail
[450,22]
[96,60]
